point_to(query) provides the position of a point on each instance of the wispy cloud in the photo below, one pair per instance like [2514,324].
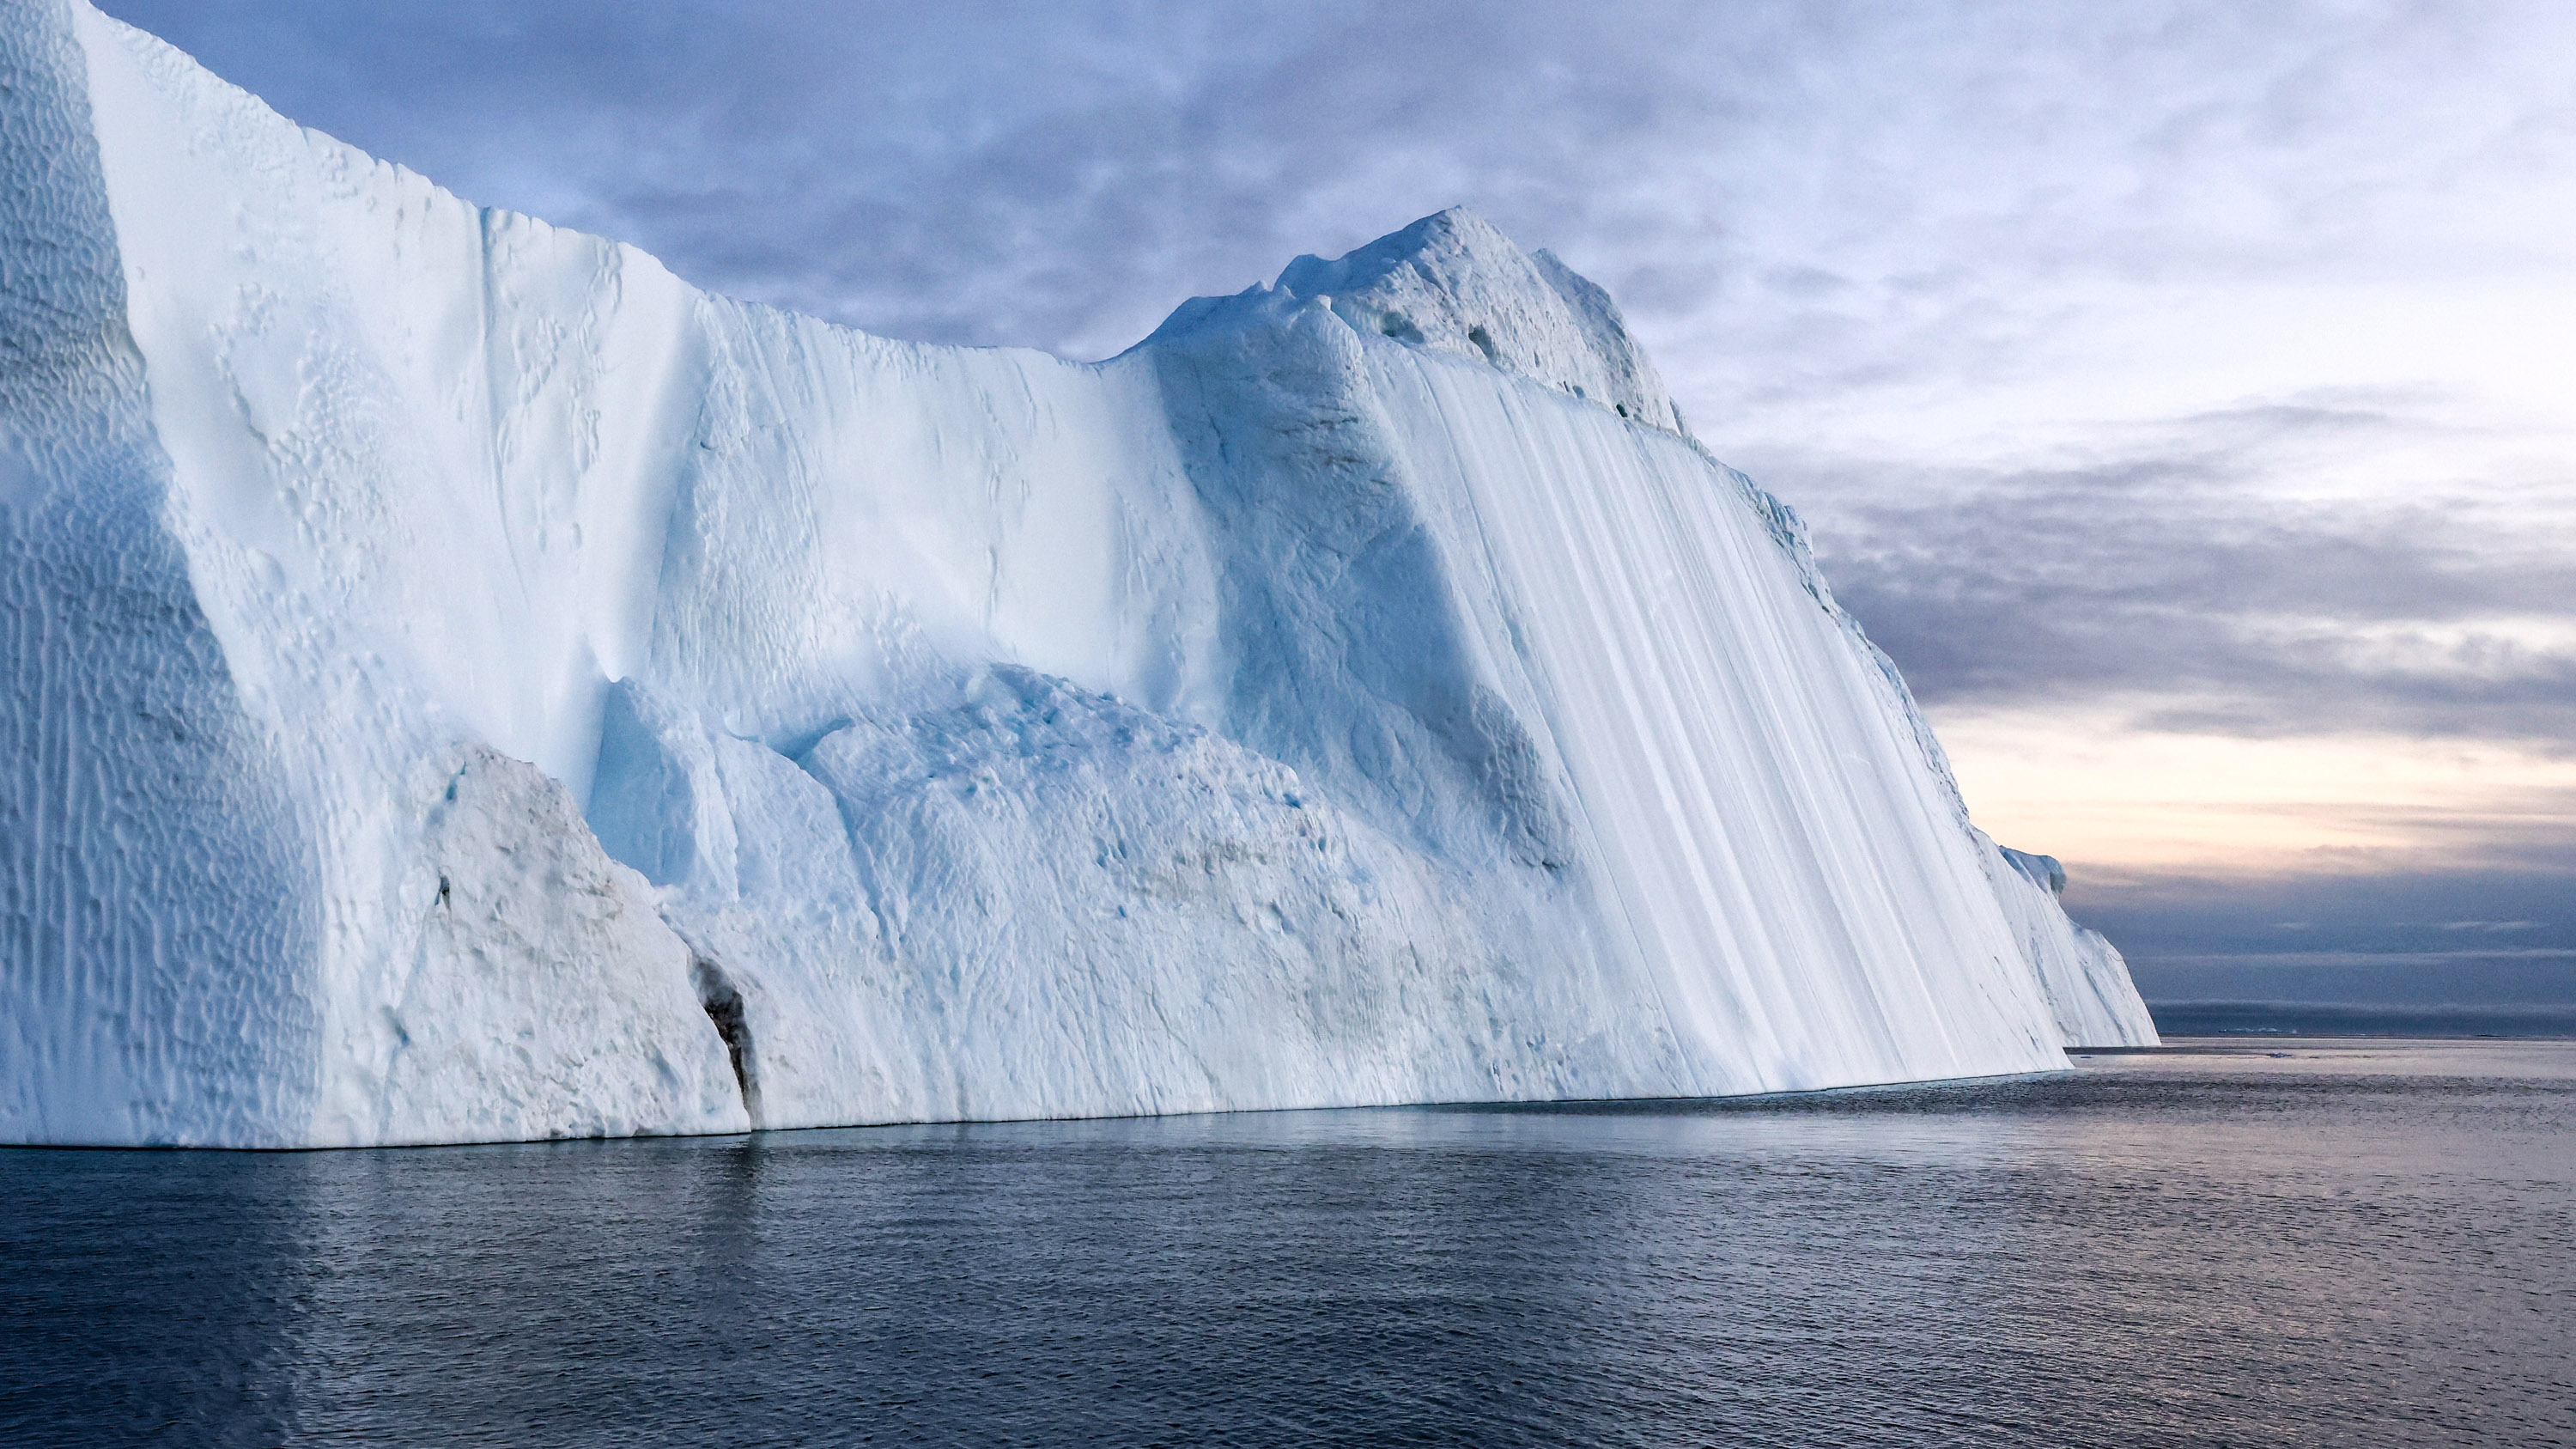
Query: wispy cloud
[1789,195]
[2376,958]
[2180,577]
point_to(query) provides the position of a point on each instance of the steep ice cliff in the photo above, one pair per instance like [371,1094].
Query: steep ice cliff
[2087,982]
[467,685]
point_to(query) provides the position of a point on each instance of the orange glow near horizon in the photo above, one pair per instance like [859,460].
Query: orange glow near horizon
[2118,802]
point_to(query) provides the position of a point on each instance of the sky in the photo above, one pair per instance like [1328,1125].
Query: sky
[2183,393]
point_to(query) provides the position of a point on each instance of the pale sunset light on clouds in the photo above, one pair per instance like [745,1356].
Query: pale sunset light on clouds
[2179,392]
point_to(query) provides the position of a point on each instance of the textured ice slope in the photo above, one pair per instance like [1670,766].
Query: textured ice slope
[465,684]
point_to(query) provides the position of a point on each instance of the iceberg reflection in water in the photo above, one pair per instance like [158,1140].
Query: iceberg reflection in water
[2321,1242]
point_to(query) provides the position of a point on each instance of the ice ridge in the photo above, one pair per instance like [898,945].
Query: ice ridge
[1452,283]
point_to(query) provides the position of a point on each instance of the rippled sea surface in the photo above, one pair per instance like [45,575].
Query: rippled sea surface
[2365,1243]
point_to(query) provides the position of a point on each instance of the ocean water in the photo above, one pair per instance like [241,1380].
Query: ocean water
[2365,1243]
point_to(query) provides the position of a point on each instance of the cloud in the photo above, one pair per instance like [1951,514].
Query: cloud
[2177,578]
[2410,910]
[1057,176]
[1791,195]
[2548,984]
[2379,958]
[2384,937]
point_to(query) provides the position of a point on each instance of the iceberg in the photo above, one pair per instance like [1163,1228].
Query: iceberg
[467,685]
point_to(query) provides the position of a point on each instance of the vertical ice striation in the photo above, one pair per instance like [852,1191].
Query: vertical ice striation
[2088,984]
[468,685]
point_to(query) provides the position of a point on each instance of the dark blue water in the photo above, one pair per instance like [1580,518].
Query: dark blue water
[2364,1244]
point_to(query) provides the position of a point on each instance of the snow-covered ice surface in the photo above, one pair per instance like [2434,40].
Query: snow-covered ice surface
[468,685]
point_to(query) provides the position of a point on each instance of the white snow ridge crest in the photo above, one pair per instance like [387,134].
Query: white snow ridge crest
[469,686]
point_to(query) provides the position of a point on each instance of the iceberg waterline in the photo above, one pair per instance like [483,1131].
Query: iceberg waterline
[467,685]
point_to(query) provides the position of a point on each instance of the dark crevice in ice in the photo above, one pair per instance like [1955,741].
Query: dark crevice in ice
[1401,328]
[723,1005]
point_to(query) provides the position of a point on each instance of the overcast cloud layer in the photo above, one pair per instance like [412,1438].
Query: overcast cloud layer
[2176,573]
[2189,372]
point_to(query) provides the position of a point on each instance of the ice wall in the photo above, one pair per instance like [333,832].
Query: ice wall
[156,941]
[2088,984]
[470,686]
